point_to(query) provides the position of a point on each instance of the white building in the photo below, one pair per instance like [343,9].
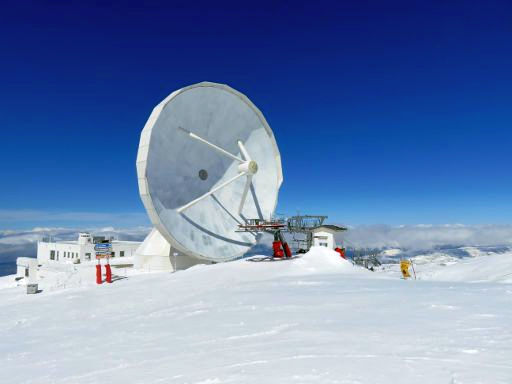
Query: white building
[26,267]
[81,250]
[323,235]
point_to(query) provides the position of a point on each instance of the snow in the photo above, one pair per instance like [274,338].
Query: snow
[478,264]
[314,319]
[482,268]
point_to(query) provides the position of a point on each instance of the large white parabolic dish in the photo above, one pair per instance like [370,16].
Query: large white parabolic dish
[207,160]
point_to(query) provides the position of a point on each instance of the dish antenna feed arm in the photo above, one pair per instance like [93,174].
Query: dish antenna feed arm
[247,167]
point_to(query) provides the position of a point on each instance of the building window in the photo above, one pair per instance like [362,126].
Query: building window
[87,256]
[121,253]
[324,244]
[113,254]
[52,255]
[26,272]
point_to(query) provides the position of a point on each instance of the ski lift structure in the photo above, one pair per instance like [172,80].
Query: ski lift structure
[300,228]
[368,259]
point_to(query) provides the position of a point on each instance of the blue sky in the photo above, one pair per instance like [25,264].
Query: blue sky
[384,112]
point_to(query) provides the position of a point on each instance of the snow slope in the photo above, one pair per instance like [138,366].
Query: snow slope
[469,264]
[315,319]
[479,268]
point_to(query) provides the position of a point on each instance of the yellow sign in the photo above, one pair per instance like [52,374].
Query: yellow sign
[404,267]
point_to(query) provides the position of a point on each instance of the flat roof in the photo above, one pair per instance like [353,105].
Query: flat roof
[26,261]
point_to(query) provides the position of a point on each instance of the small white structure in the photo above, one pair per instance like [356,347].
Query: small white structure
[80,250]
[26,267]
[323,235]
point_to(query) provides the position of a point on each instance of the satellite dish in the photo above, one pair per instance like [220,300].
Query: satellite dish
[207,161]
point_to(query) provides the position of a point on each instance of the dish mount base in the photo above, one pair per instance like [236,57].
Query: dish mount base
[156,254]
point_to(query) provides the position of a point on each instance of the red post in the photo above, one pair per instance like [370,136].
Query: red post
[108,272]
[98,274]
[287,250]
[278,252]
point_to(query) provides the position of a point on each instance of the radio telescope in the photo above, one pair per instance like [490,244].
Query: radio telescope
[207,162]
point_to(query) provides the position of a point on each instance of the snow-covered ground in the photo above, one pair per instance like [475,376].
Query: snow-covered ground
[315,319]
[469,264]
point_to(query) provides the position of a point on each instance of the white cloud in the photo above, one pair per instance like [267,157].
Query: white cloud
[426,236]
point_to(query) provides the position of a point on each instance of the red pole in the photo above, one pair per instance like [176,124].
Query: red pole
[287,250]
[98,273]
[278,252]
[108,273]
